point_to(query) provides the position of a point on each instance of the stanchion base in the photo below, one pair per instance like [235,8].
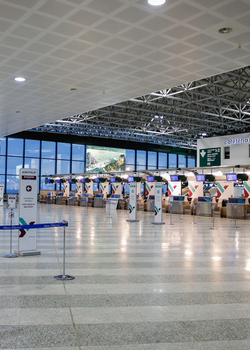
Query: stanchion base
[28,253]
[10,256]
[170,224]
[158,223]
[193,223]
[132,220]
[236,226]
[212,228]
[64,277]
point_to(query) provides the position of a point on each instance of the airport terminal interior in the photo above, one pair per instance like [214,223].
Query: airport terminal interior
[124,174]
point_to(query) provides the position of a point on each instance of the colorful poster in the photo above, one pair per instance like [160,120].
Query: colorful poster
[1,195]
[174,188]
[195,189]
[150,188]
[105,159]
[65,187]
[116,188]
[104,188]
[27,210]
[89,188]
[78,190]
[246,189]
[225,189]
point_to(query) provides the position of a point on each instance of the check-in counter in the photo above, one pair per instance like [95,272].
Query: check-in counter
[59,198]
[71,199]
[177,204]
[112,202]
[151,203]
[204,206]
[83,201]
[50,199]
[236,208]
[98,201]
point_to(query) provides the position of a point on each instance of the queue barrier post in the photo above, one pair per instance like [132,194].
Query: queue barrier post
[170,207]
[213,207]
[193,222]
[235,214]
[64,277]
[35,226]
[11,215]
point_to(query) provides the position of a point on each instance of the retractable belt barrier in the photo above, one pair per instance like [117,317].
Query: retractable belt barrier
[47,225]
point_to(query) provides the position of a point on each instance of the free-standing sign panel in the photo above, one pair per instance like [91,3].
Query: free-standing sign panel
[210,156]
[1,195]
[158,203]
[132,202]
[27,208]
[11,201]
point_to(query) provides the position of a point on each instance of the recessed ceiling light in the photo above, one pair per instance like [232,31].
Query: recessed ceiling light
[156,2]
[20,79]
[225,30]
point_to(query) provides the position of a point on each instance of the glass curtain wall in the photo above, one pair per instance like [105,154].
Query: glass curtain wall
[51,158]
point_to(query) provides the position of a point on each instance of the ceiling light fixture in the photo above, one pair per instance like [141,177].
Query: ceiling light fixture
[156,2]
[19,79]
[225,30]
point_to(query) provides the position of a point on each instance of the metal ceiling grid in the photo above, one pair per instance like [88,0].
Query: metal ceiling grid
[120,47]
[218,105]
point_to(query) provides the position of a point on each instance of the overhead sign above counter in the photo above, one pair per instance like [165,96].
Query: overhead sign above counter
[210,157]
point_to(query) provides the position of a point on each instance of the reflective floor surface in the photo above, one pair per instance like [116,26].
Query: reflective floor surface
[137,286]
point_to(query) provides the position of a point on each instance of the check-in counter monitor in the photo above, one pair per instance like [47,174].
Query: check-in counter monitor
[204,206]
[236,208]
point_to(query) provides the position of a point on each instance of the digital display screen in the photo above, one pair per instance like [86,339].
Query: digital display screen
[236,200]
[112,179]
[70,181]
[205,199]
[131,179]
[150,179]
[151,197]
[231,177]
[105,159]
[178,198]
[58,181]
[174,178]
[97,180]
[82,181]
[200,177]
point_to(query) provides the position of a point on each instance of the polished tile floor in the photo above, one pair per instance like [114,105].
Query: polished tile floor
[137,286]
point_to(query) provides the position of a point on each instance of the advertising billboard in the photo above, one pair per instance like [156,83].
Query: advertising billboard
[105,159]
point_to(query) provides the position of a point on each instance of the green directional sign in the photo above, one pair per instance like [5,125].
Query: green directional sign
[210,157]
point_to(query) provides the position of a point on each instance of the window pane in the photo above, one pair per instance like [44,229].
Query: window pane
[152,160]
[48,149]
[182,161]
[162,160]
[172,158]
[14,164]
[130,156]
[32,148]
[2,165]
[2,180]
[78,167]
[3,146]
[130,167]
[47,167]
[191,161]
[12,184]
[15,147]
[46,187]
[63,167]
[78,152]
[63,150]
[32,163]
[141,159]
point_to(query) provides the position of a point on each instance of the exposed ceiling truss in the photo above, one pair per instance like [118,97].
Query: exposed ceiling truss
[214,106]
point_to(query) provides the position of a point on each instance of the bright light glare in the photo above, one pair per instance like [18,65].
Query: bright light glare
[20,79]
[156,2]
